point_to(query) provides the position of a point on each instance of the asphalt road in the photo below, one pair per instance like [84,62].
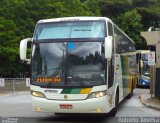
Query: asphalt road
[18,109]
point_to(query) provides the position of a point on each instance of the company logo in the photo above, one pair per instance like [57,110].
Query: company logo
[51,91]
[65,96]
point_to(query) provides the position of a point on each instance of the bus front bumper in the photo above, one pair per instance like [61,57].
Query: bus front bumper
[94,105]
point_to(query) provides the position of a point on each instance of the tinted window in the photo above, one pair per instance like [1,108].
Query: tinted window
[64,30]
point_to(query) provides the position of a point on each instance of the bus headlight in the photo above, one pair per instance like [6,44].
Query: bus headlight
[97,94]
[37,94]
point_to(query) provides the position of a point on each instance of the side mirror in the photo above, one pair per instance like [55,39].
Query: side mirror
[23,49]
[108,47]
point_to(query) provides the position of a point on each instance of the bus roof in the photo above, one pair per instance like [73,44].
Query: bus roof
[73,19]
[63,19]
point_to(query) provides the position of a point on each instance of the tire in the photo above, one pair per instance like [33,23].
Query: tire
[114,110]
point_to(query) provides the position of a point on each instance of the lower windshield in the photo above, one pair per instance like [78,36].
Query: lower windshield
[68,64]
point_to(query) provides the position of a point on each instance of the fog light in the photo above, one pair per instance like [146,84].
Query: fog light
[99,110]
[38,109]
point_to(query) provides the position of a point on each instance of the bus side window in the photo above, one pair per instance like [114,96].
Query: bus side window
[110,29]
[118,38]
[137,58]
[110,73]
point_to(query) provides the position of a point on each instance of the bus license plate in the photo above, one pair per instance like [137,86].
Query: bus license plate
[66,106]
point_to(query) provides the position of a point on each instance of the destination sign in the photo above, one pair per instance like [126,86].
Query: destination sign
[43,79]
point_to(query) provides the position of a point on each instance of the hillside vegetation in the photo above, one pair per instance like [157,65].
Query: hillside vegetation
[18,19]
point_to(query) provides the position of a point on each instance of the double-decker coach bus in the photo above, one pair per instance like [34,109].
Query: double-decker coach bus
[80,65]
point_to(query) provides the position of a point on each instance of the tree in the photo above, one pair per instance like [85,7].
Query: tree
[130,23]
[150,12]
[18,19]
[114,8]
[9,61]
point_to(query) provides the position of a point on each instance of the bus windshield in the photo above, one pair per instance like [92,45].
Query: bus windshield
[68,64]
[65,30]
[145,68]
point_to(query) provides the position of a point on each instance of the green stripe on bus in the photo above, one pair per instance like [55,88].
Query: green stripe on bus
[71,91]
[123,64]
[124,74]
[75,91]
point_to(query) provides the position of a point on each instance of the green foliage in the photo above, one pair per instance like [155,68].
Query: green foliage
[133,16]
[150,12]
[113,8]
[9,51]
[18,19]
[7,28]
[130,22]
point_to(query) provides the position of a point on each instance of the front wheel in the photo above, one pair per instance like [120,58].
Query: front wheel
[114,110]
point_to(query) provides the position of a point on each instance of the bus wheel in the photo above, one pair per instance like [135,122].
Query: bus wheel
[114,110]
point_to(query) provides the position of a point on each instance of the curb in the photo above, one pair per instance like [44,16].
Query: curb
[148,105]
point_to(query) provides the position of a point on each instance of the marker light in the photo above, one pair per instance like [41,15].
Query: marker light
[97,94]
[37,94]
[37,109]
[99,110]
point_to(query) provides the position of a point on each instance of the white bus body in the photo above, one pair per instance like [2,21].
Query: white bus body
[80,65]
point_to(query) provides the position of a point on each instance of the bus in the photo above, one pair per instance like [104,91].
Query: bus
[143,67]
[80,65]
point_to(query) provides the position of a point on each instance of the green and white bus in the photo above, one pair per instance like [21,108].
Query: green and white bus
[80,65]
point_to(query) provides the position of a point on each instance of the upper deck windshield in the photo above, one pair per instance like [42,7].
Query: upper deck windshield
[71,29]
